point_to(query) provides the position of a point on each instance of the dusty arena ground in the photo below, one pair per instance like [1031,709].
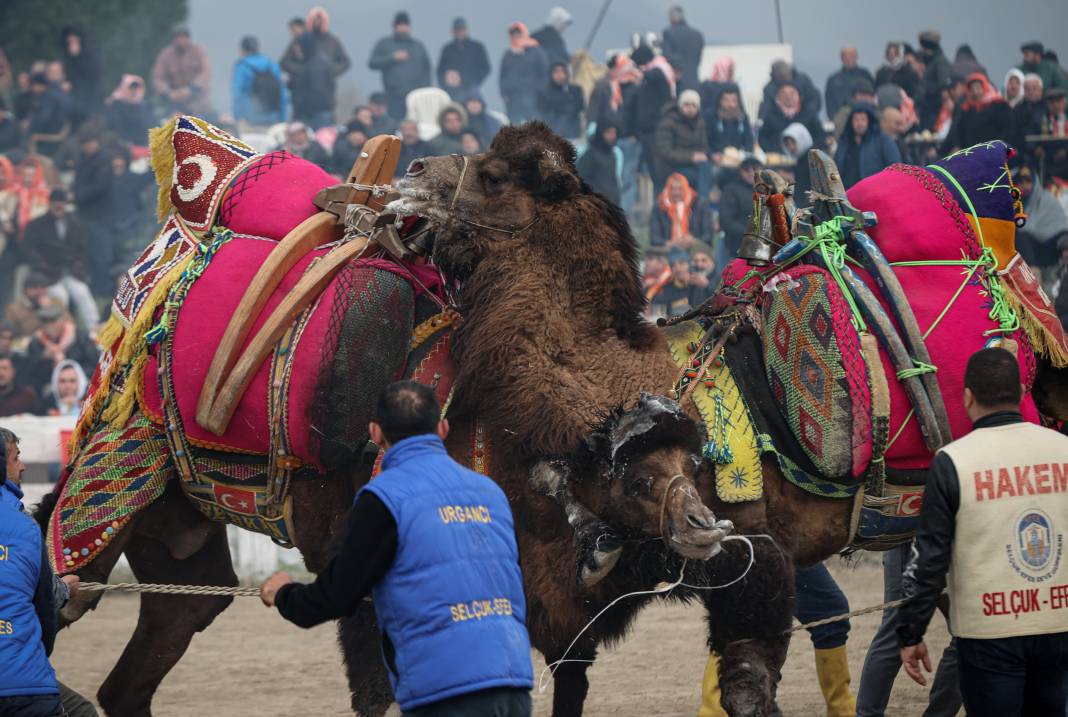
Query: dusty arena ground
[251,662]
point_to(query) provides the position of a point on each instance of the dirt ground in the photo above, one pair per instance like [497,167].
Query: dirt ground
[251,662]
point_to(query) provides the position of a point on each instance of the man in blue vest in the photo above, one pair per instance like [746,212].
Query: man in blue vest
[435,543]
[28,602]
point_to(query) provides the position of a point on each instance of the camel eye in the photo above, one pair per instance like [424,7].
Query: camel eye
[636,487]
[492,180]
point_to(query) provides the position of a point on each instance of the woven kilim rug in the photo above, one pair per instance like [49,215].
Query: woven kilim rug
[119,472]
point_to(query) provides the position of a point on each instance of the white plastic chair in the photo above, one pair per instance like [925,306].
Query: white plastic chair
[424,105]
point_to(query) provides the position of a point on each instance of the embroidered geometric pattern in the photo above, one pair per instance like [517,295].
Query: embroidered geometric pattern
[206,159]
[803,480]
[815,372]
[119,472]
[171,246]
[725,417]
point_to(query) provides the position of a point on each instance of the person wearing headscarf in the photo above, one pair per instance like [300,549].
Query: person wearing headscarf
[1014,91]
[127,113]
[681,217]
[655,95]
[1047,221]
[301,142]
[612,92]
[983,116]
[524,71]
[721,78]
[897,69]
[796,141]
[67,389]
[551,36]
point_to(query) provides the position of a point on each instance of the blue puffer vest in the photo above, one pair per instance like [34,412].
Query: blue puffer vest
[24,668]
[451,605]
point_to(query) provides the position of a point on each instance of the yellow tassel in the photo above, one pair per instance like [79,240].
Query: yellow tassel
[161,150]
[122,405]
[1041,341]
[110,333]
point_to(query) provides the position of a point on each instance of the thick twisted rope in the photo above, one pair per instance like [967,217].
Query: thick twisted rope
[172,589]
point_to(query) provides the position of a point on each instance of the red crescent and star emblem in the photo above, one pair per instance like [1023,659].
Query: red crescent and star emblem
[235,499]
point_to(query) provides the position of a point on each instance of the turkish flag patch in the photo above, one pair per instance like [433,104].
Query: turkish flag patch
[239,501]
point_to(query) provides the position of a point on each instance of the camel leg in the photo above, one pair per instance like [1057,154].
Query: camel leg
[368,679]
[570,683]
[747,624]
[597,544]
[166,623]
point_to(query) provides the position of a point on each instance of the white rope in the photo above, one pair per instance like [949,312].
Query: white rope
[660,589]
[171,589]
[377,190]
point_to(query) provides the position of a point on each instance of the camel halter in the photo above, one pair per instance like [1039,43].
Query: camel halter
[668,492]
[510,231]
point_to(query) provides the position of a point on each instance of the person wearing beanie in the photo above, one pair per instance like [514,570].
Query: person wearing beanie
[403,62]
[466,58]
[784,73]
[479,121]
[681,143]
[682,45]
[551,36]
[560,103]
[863,91]
[314,85]
[936,73]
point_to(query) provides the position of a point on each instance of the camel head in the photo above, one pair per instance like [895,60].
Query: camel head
[521,206]
[649,457]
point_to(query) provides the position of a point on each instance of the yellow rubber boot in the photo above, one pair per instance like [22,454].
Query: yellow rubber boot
[710,706]
[832,669]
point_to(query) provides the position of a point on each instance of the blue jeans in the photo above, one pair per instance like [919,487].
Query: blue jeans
[1015,676]
[494,702]
[819,597]
[32,706]
[883,661]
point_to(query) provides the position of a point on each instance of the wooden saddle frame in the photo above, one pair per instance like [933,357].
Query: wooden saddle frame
[232,369]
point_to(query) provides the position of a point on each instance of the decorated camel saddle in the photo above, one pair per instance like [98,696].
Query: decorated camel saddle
[868,306]
[249,339]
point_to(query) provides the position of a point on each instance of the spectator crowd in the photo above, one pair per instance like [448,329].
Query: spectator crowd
[658,132]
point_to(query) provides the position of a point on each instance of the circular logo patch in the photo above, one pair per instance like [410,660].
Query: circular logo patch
[1034,539]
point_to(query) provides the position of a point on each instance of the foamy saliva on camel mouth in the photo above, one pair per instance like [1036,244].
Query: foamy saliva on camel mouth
[634,479]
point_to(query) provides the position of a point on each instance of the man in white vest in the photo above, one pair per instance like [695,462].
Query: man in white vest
[995,518]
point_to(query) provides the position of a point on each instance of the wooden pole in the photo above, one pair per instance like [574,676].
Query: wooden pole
[597,24]
[778,19]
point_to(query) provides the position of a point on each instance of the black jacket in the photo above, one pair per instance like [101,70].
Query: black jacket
[553,43]
[839,90]
[401,77]
[597,166]
[37,368]
[644,113]
[600,109]
[312,82]
[929,97]
[728,133]
[770,135]
[93,185]
[682,45]
[469,58]
[561,107]
[735,206]
[130,121]
[810,96]
[925,576]
[972,126]
[48,112]
[342,156]
[54,256]
[364,558]
[903,76]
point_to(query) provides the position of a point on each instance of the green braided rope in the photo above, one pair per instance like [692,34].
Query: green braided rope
[919,369]
[1002,312]
[203,254]
[718,448]
[829,237]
